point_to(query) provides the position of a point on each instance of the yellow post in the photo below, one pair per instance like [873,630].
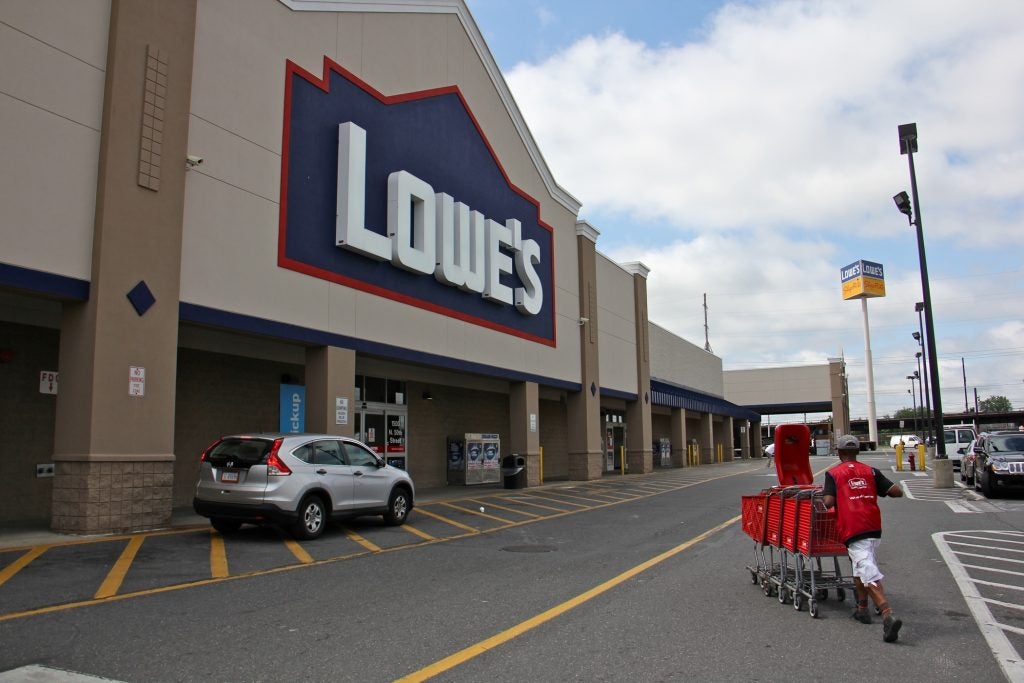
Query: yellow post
[720,456]
[622,459]
[899,457]
[541,449]
[921,448]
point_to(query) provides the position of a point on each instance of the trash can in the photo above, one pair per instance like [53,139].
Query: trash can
[513,472]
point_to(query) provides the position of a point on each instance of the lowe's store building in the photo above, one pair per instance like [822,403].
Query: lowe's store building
[303,215]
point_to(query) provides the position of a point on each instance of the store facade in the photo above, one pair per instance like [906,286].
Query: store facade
[315,216]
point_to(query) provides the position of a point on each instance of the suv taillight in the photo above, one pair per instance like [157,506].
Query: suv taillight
[275,466]
[206,451]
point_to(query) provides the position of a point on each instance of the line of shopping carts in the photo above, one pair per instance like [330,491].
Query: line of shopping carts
[796,546]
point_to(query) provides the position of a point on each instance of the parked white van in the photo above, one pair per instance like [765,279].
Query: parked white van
[957,438]
[908,440]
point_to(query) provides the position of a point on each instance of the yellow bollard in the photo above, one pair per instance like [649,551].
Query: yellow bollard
[920,455]
[541,465]
[899,457]
[622,459]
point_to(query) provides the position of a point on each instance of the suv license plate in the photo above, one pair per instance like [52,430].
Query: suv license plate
[229,476]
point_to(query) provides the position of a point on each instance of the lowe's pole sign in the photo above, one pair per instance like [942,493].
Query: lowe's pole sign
[403,197]
[862,280]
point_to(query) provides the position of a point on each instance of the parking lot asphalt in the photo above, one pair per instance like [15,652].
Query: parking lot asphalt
[25,535]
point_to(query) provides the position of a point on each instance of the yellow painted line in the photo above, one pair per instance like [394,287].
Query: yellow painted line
[109,539]
[218,558]
[298,551]
[413,530]
[20,563]
[115,577]
[538,505]
[492,504]
[505,636]
[372,547]
[436,516]
[569,495]
[478,513]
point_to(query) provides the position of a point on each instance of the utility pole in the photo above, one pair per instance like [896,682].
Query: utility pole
[707,338]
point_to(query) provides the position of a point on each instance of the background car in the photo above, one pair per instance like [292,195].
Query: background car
[999,463]
[299,481]
[967,461]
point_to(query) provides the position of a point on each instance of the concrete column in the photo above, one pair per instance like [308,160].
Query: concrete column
[706,439]
[330,375]
[524,426]
[584,407]
[745,440]
[678,436]
[638,413]
[114,434]
[728,439]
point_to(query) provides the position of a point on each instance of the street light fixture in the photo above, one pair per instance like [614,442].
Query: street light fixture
[908,145]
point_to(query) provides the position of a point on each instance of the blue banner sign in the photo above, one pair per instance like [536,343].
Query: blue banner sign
[293,408]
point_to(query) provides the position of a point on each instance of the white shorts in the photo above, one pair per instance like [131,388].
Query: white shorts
[862,555]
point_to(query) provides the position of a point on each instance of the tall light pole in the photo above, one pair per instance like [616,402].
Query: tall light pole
[908,145]
[919,336]
[913,400]
[920,389]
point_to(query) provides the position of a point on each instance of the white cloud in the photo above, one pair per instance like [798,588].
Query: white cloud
[767,152]
[786,115]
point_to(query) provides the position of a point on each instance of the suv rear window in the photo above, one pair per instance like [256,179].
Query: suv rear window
[240,452]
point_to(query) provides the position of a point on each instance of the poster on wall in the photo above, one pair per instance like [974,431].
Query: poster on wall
[293,408]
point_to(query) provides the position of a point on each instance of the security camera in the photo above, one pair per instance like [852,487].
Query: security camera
[584,321]
[192,160]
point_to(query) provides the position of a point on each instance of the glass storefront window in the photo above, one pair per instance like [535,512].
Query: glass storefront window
[359,387]
[376,390]
[396,392]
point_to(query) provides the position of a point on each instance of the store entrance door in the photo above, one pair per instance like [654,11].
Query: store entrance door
[383,430]
[614,441]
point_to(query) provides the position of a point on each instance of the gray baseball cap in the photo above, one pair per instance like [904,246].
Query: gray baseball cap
[847,442]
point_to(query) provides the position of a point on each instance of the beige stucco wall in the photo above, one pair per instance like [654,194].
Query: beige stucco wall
[616,326]
[803,384]
[50,116]
[233,198]
[673,359]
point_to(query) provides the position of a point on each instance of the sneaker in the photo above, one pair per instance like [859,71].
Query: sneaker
[862,615]
[891,629]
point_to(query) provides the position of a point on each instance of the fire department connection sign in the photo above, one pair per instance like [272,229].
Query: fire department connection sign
[862,280]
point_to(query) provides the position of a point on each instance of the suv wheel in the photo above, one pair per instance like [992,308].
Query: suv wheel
[398,507]
[312,519]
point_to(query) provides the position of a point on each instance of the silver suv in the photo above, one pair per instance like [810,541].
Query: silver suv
[300,481]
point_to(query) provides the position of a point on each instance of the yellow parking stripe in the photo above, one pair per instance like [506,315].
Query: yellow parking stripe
[522,499]
[494,641]
[218,558]
[115,577]
[436,516]
[298,551]
[422,534]
[478,512]
[362,541]
[20,563]
[502,507]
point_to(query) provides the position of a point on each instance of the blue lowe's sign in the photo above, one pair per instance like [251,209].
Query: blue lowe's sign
[862,280]
[403,197]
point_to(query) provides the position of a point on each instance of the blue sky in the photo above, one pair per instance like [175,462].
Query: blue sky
[748,151]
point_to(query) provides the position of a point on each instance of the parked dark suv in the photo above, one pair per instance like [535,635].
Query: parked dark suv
[999,462]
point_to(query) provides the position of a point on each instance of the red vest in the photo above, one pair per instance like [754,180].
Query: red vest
[856,499]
